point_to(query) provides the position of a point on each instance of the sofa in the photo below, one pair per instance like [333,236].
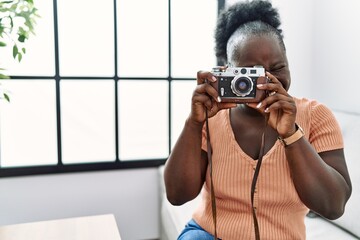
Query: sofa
[347,227]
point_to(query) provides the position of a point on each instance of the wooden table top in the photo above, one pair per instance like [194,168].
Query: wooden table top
[98,227]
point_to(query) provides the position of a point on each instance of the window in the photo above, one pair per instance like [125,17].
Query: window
[103,86]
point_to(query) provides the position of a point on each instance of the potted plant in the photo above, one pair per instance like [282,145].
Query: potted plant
[17,21]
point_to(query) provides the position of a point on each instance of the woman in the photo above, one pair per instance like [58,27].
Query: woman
[303,170]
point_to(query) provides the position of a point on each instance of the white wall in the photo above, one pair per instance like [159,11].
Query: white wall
[322,39]
[336,54]
[297,19]
[131,195]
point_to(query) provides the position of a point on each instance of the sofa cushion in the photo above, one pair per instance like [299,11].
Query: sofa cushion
[174,218]
[350,125]
[319,228]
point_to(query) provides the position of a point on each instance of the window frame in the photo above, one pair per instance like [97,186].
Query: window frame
[60,167]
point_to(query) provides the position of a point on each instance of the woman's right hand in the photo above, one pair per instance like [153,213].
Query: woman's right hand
[206,98]
[185,169]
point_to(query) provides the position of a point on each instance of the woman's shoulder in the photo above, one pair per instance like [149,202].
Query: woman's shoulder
[305,102]
[312,112]
[310,105]
[320,125]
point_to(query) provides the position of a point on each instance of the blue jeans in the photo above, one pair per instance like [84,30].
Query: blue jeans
[193,231]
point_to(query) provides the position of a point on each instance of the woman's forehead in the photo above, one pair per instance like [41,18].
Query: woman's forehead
[255,48]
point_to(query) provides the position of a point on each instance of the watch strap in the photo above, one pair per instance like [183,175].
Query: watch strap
[299,133]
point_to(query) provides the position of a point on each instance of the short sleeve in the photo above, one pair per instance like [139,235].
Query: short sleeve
[325,132]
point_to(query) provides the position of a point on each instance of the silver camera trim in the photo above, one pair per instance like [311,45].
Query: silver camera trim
[238,93]
[236,73]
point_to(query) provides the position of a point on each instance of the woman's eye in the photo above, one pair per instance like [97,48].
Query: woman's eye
[277,69]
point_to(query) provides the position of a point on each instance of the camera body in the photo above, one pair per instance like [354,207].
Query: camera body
[238,84]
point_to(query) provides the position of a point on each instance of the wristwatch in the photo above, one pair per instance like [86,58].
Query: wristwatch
[299,133]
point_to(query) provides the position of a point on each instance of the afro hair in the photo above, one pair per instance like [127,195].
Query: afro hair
[238,15]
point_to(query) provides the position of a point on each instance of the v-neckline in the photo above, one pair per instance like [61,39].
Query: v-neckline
[237,145]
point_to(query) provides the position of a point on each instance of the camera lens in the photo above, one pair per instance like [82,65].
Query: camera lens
[242,86]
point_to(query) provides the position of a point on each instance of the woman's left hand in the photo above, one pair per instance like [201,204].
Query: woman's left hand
[279,105]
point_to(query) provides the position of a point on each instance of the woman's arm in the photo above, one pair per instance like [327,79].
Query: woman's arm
[186,166]
[321,180]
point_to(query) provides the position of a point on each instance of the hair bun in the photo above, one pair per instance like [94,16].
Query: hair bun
[239,14]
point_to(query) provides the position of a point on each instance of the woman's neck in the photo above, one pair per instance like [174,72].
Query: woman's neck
[248,112]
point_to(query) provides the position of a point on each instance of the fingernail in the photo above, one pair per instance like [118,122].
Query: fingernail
[260,85]
[218,99]
[214,79]
[266,110]
[259,105]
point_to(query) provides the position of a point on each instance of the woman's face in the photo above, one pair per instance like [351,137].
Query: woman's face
[264,50]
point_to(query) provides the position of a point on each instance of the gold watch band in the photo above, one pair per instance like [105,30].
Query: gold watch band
[293,138]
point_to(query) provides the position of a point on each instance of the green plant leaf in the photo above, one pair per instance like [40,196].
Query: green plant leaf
[11,22]
[17,16]
[21,38]
[1,29]
[15,51]
[7,98]
[2,76]
[19,54]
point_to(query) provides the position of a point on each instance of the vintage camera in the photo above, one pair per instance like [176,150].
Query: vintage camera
[238,84]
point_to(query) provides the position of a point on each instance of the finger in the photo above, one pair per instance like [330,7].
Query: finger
[205,76]
[209,90]
[272,93]
[273,86]
[203,99]
[272,78]
[273,89]
[253,105]
[284,106]
[270,100]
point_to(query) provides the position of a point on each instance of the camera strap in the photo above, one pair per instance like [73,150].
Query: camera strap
[253,184]
[254,181]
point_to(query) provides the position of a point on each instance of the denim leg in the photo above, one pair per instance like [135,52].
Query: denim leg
[193,231]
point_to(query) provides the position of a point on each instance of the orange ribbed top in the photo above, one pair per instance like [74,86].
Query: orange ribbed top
[280,211]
